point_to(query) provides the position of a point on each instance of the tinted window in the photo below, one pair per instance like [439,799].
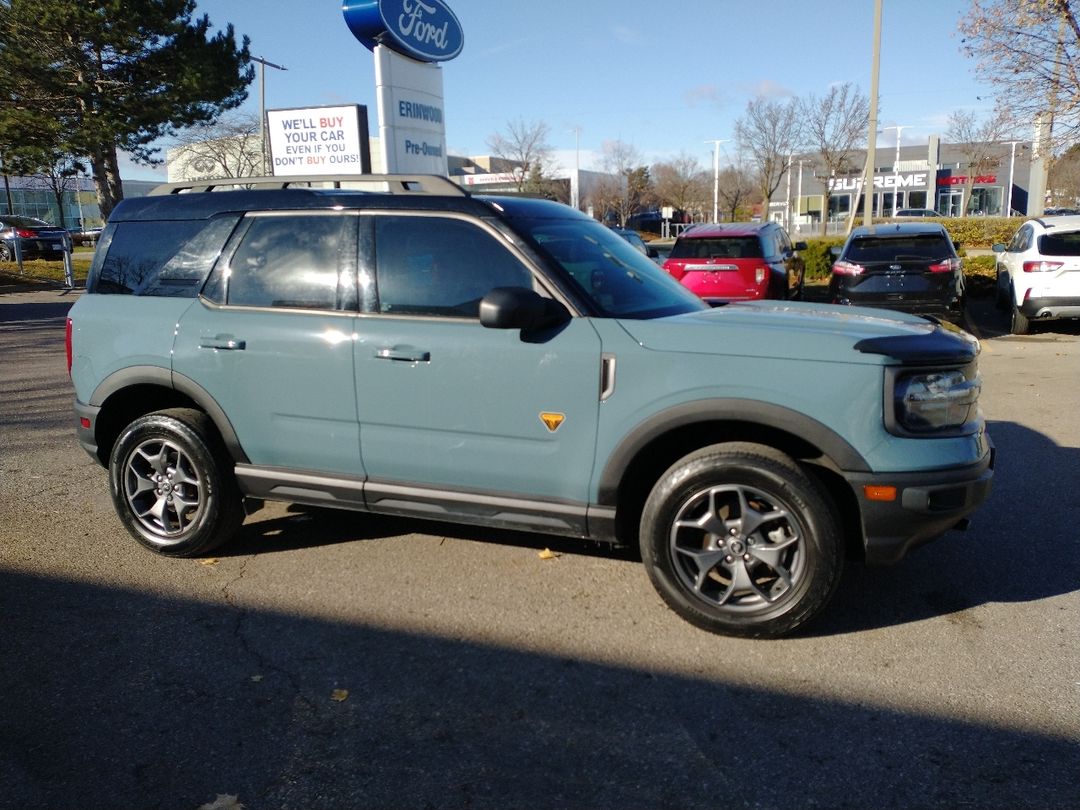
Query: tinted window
[138,251]
[297,261]
[884,249]
[1060,244]
[440,266]
[724,247]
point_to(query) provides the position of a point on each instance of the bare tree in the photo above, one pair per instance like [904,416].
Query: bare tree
[737,191]
[229,147]
[1064,183]
[1028,50]
[979,144]
[628,184]
[768,134]
[835,126]
[681,183]
[525,145]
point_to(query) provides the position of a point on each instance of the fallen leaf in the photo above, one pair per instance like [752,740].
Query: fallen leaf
[223,802]
[548,554]
[339,695]
[209,561]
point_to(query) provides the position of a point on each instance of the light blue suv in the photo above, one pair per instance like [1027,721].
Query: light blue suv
[390,344]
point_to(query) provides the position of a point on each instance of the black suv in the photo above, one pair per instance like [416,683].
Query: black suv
[911,266]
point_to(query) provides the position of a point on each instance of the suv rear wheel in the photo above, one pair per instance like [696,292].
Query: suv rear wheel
[172,484]
[737,539]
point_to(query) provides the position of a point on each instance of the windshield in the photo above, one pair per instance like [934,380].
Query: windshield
[608,270]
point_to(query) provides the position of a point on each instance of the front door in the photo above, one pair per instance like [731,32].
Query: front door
[452,407]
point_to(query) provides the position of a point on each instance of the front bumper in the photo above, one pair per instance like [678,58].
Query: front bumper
[927,504]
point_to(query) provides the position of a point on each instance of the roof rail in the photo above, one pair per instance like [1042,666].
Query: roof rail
[433,184]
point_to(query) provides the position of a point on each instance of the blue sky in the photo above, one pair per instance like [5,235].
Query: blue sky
[664,77]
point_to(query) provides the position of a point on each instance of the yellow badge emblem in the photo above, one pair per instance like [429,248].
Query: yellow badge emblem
[552,421]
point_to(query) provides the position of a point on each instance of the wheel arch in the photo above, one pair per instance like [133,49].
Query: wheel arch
[643,455]
[136,391]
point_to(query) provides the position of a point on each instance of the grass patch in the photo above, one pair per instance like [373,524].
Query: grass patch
[47,271]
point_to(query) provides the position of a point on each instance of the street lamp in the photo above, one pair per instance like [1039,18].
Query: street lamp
[896,166]
[263,65]
[716,178]
[575,186]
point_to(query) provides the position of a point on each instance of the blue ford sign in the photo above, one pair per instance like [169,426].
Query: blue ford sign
[426,30]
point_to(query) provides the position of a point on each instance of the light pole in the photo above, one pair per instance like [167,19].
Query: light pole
[896,166]
[1012,167]
[798,197]
[575,186]
[716,178]
[263,65]
[871,145]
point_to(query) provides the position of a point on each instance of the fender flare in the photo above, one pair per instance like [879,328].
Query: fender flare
[778,417]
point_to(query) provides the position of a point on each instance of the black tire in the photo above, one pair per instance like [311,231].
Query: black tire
[1019,324]
[761,580]
[5,252]
[172,483]
[1002,297]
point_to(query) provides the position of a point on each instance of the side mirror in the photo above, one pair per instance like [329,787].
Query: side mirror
[998,247]
[520,308]
[800,246]
[835,251]
[652,252]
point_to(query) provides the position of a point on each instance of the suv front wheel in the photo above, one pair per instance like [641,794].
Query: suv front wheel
[738,540]
[172,484]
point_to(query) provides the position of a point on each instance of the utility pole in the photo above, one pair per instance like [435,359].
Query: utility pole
[263,65]
[871,139]
[716,178]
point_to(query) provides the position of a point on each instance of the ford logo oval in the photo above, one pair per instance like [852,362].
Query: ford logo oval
[426,30]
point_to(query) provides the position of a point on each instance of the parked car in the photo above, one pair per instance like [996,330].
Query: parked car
[509,362]
[911,266]
[918,212]
[85,236]
[662,248]
[1038,272]
[740,261]
[37,238]
[634,238]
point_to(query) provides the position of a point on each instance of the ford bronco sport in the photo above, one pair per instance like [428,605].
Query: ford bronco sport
[390,344]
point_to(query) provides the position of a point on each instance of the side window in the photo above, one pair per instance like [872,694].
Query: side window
[1018,241]
[297,261]
[440,266]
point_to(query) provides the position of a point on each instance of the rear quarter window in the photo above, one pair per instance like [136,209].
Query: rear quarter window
[159,258]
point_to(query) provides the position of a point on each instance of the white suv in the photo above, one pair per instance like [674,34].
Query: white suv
[1038,272]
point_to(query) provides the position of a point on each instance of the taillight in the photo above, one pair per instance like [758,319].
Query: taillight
[760,273]
[1041,267]
[22,233]
[67,344]
[848,269]
[947,266]
[675,270]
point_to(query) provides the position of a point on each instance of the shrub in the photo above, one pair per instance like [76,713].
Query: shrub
[817,257]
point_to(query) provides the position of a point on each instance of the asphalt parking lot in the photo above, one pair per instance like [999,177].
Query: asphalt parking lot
[335,660]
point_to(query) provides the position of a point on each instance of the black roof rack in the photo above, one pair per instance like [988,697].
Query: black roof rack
[432,184]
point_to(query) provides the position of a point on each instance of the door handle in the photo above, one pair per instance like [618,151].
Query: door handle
[224,342]
[405,353]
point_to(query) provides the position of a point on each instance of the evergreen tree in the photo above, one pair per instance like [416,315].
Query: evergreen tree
[94,77]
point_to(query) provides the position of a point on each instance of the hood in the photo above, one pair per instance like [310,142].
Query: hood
[798,330]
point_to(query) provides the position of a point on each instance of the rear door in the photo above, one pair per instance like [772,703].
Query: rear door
[271,340]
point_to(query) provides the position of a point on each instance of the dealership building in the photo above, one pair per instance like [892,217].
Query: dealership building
[933,176]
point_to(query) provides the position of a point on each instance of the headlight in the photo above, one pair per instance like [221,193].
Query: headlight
[936,401]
